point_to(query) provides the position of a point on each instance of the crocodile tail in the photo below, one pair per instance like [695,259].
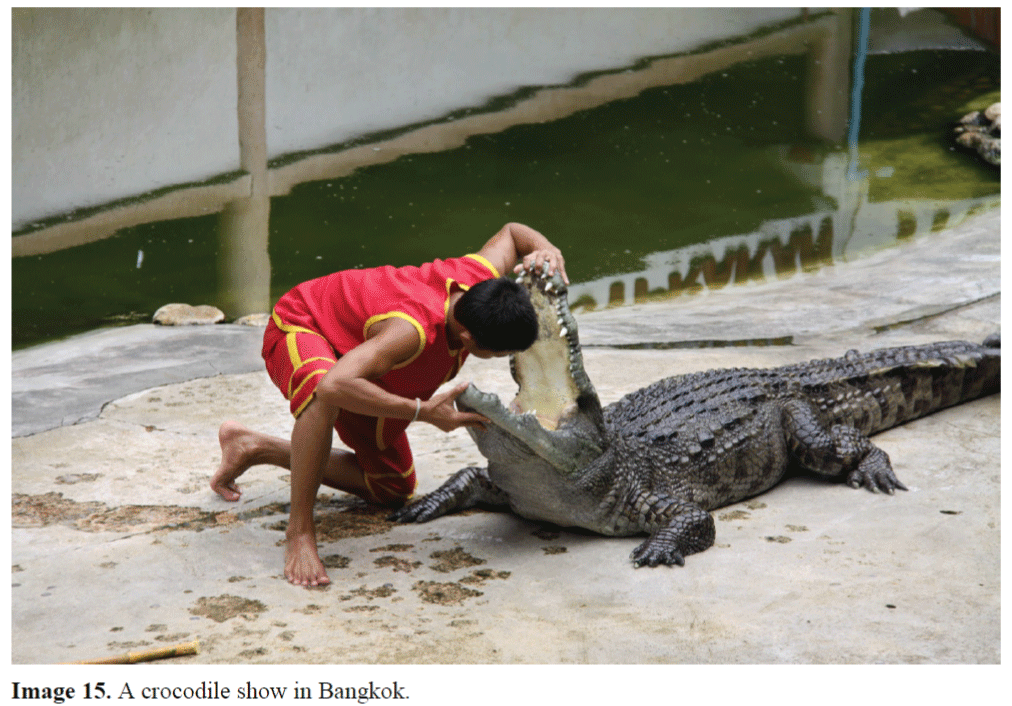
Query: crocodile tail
[946,375]
[877,390]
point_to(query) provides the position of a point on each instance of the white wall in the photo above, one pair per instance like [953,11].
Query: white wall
[111,103]
[108,103]
[334,74]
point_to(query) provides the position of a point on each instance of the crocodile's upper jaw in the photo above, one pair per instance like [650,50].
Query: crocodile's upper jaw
[554,388]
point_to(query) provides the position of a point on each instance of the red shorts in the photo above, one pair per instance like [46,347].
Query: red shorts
[297,359]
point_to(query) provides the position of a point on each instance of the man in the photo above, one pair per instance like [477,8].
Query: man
[362,352]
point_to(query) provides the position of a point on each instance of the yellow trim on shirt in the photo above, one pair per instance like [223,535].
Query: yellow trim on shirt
[457,365]
[293,394]
[290,332]
[486,263]
[293,351]
[290,328]
[422,340]
[463,287]
[378,480]
[446,311]
[368,486]
[446,302]
[296,369]
[394,473]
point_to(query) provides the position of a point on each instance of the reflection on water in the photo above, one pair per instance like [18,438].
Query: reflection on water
[781,248]
[729,171]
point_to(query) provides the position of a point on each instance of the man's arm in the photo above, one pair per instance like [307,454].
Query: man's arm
[349,384]
[515,241]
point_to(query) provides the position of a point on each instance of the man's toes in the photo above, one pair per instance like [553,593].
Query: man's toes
[308,580]
[230,493]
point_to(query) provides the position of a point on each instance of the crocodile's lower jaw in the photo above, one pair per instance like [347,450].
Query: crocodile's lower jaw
[550,422]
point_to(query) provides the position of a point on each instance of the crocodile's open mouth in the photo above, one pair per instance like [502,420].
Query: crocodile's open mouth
[556,413]
[550,373]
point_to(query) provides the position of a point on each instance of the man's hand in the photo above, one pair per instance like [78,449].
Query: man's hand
[516,241]
[440,412]
[546,259]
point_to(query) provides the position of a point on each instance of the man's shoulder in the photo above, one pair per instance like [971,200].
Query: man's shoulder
[467,269]
[483,262]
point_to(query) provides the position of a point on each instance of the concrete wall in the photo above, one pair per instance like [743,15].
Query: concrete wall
[334,74]
[112,103]
[108,103]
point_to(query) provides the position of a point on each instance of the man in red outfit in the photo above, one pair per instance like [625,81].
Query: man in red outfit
[363,352]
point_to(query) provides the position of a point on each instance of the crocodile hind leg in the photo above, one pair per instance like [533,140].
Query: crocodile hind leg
[682,528]
[466,488]
[841,451]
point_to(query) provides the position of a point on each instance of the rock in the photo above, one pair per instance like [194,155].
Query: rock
[253,320]
[974,119]
[981,132]
[186,315]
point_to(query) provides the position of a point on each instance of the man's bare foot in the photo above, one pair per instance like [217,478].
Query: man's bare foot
[234,460]
[302,562]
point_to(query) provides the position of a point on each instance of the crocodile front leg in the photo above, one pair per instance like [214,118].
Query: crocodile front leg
[839,451]
[682,528]
[466,488]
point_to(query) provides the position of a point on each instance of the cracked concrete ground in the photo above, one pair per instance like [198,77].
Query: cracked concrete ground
[118,544]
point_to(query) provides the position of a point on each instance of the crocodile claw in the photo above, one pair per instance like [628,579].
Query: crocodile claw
[452,495]
[466,488]
[876,474]
[689,530]
[650,553]
[419,511]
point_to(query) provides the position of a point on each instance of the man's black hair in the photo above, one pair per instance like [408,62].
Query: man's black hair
[499,315]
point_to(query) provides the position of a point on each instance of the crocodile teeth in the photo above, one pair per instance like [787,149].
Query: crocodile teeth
[520,279]
[563,331]
[549,287]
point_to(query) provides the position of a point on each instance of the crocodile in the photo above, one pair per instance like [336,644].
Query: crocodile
[658,460]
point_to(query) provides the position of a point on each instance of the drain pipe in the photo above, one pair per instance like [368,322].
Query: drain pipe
[860,54]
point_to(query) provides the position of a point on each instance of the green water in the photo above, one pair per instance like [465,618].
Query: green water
[670,167]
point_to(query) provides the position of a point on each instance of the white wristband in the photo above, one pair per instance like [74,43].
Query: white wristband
[418,408]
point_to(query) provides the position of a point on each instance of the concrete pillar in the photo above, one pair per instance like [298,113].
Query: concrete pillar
[244,264]
[251,61]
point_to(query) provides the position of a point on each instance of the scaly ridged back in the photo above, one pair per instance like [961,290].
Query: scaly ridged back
[871,391]
[878,390]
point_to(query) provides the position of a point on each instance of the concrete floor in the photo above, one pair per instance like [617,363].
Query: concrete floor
[119,545]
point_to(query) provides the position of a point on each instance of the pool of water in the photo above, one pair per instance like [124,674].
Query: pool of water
[681,186]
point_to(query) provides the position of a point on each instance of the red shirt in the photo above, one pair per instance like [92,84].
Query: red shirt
[344,305]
